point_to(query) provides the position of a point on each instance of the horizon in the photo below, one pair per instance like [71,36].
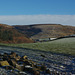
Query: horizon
[29,12]
[37,24]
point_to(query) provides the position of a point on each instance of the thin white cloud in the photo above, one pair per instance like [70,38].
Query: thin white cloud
[38,19]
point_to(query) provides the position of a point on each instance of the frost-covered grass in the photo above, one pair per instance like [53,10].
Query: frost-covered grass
[66,46]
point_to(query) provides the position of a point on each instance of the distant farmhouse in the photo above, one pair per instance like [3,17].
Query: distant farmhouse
[44,40]
[51,39]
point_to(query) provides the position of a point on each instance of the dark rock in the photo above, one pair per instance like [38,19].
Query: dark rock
[1,56]
[20,62]
[38,66]
[28,68]
[8,67]
[48,71]
[32,63]
[13,55]
[43,67]
[31,70]
[24,57]
[17,58]
[5,54]
[5,58]
[43,55]
[35,72]
[12,62]
[27,62]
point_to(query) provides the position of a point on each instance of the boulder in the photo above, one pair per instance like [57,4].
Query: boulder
[22,73]
[32,70]
[5,54]
[26,62]
[40,67]
[24,57]
[48,71]
[12,62]
[4,63]
[35,71]
[12,55]
[32,63]
[28,68]
[20,67]
[17,58]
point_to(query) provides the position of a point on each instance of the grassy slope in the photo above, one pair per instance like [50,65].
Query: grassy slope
[38,31]
[66,46]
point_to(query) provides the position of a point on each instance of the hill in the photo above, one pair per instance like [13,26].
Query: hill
[8,34]
[38,31]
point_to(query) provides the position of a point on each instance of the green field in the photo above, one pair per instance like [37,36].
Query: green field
[66,46]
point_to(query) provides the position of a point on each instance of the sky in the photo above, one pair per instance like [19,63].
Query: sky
[26,12]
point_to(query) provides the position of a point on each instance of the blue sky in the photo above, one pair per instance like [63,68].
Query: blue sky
[32,7]
[30,11]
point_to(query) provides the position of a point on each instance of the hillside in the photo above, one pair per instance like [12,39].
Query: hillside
[64,46]
[38,31]
[9,34]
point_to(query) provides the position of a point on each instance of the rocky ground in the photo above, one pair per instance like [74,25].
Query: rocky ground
[59,63]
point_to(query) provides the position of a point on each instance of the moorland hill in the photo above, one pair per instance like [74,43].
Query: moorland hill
[37,31]
[8,34]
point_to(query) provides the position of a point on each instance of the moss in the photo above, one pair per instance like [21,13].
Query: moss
[4,63]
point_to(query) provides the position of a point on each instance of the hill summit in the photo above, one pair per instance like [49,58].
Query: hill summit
[38,31]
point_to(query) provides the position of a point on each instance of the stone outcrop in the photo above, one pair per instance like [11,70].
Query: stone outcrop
[13,61]
[4,63]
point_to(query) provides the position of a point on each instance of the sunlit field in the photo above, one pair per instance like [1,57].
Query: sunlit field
[65,46]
